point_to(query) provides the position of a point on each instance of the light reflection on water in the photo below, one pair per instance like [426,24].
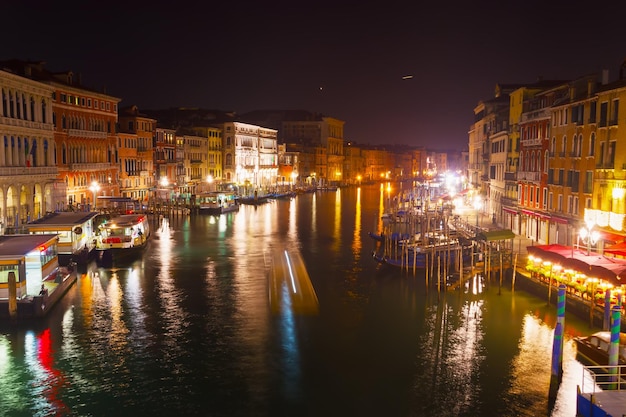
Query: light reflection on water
[187,330]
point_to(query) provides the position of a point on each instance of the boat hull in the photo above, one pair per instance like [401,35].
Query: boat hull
[216,211]
[595,348]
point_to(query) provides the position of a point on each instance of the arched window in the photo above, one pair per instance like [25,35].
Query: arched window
[32,109]
[592,144]
[538,161]
[564,146]
[46,158]
[545,162]
[43,112]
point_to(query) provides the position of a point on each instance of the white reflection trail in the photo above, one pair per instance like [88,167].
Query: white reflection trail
[534,361]
[337,225]
[10,394]
[356,237]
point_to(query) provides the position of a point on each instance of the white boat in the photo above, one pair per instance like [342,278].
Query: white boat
[123,235]
[76,231]
[217,202]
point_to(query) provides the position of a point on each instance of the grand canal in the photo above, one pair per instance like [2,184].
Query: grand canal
[188,330]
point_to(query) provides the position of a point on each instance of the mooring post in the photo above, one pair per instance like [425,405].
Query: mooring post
[557,344]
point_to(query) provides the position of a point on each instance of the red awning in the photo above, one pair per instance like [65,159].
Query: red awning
[617,249]
[611,237]
[612,270]
[559,220]
[508,210]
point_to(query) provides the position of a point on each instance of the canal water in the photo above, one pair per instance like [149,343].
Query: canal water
[188,330]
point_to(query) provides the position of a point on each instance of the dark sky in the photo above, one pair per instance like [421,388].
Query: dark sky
[343,59]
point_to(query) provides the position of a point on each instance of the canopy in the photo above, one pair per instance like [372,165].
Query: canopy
[609,269]
[492,235]
[617,249]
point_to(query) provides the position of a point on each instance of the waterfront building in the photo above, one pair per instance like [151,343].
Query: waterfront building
[136,156]
[353,163]
[29,185]
[195,164]
[287,174]
[215,151]
[165,162]
[419,161]
[486,163]
[571,158]
[85,134]
[250,155]
[606,206]
[509,215]
[375,158]
[532,174]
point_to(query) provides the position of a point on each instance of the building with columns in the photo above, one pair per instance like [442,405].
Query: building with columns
[28,174]
[250,156]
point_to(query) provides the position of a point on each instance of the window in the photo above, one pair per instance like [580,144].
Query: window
[559,204]
[588,184]
[545,198]
[537,197]
[614,112]
[592,112]
[550,197]
[592,144]
[570,204]
[603,113]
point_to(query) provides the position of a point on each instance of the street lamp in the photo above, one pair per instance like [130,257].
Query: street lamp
[588,235]
[294,175]
[209,180]
[477,206]
[95,187]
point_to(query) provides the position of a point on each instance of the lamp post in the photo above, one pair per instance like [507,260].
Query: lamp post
[209,180]
[95,187]
[477,206]
[588,235]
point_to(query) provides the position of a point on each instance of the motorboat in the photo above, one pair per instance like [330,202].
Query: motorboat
[217,202]
[595,348]
[123,235]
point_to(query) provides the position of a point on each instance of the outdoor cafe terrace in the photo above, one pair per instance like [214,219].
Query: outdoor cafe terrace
[585,273]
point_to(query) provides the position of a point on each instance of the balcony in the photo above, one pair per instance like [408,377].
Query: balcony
[9,121]
[28,171]
[531,142]
[91,134]
[535,115]
[90,167]
[510,176]
[528,176]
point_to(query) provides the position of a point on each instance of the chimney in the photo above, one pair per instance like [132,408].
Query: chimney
[605,76]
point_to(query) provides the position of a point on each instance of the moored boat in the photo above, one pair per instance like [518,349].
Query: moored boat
[76,231]
[217,202]
[123,235]
[595,348]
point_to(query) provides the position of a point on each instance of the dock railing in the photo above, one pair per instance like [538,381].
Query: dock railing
[603,378]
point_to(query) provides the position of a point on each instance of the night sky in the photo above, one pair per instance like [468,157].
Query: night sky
[348,60]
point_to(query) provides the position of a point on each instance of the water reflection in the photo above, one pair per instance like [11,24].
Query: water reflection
[188,329]
[356,237]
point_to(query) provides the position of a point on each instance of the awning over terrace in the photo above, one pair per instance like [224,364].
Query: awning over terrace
[612,270]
